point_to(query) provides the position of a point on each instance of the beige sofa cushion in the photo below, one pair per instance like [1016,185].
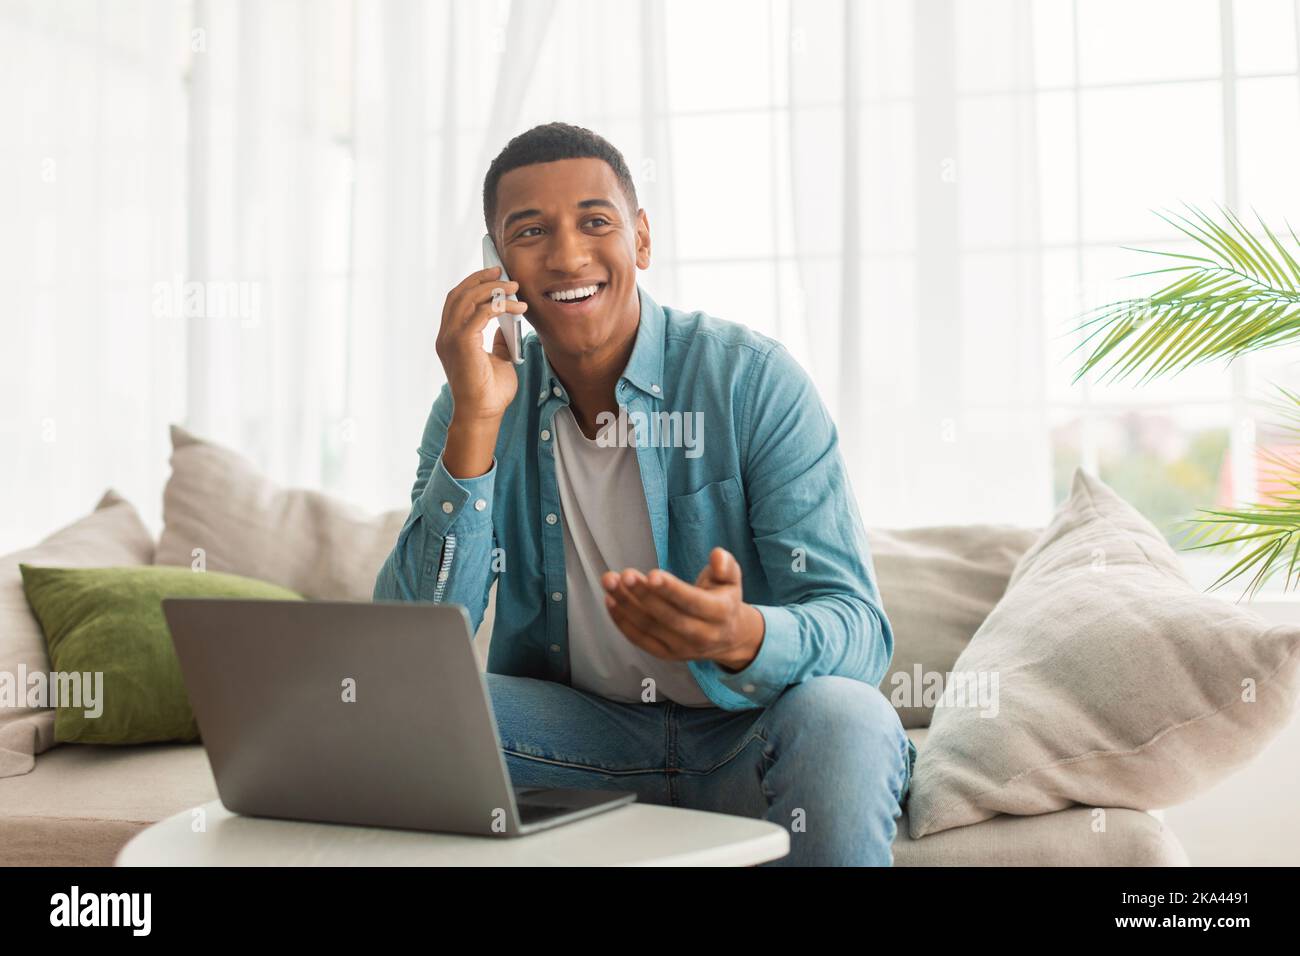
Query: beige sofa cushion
[1075,836]
[937,585]
[220,504]
[84,802]
[1064,838]
[111,535]
[1117,683]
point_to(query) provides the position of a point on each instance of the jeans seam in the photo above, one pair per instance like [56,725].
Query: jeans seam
[756,734]
[670,768]
[596,768]
[768,761]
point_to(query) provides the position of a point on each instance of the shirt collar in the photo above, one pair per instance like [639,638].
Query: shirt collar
[645,366]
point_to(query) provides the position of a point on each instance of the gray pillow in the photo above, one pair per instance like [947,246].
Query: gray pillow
[937,585]
[1112,681]
[222,505]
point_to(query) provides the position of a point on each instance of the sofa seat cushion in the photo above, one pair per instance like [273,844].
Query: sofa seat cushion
[83,802]
[1060,838]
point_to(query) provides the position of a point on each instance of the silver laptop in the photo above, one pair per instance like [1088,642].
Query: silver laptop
[363,713]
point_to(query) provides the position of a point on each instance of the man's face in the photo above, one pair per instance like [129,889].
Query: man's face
[565,225]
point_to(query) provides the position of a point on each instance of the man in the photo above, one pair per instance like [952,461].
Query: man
[686,605]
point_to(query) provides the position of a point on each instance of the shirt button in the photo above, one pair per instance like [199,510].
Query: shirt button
[556,595]
[480,504]
[546,434]
[557,391]
[542,395]
[550,518]
[448,507]
[555,648]
[654,388]
[748,688]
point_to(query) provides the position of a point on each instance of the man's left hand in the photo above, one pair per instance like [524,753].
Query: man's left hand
[676,621]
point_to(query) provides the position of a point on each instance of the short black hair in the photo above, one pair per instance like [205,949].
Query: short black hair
[546,144]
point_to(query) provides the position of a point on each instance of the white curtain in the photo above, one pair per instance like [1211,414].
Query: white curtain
[854,177]
[92,224]
[442,87]
[346,148]
[915,231]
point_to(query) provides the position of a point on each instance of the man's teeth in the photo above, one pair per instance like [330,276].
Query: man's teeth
[570,295]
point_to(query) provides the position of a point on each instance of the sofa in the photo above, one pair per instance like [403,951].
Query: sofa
[79,804]
[83,803]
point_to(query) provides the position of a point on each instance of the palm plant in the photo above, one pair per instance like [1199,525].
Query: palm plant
[1242,294]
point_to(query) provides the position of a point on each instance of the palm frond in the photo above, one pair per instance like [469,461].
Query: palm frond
[1240,294]
[1276,527]
[1271,527]
[1243,294]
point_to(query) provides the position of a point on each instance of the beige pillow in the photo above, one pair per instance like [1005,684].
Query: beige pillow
[221,505]
[937,586]
[111,535]
[1118,684]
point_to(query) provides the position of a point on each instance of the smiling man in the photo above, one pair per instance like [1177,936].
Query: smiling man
[702,627]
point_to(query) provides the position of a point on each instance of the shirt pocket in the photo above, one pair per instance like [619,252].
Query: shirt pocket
[713,516]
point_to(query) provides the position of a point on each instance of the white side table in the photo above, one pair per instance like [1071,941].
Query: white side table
[637,834]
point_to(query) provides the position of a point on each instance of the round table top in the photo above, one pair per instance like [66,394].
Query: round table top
[635,834]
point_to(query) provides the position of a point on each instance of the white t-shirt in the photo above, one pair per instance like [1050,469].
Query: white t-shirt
[607,528]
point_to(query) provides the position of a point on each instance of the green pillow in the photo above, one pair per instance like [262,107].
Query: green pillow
[109,621]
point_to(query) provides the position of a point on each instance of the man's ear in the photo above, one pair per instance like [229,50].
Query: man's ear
[642,240]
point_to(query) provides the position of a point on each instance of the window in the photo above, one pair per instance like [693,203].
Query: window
[1128,125]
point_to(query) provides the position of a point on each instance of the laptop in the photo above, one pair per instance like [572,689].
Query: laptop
[363,713]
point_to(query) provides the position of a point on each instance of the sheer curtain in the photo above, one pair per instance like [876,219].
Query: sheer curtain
[344,147]
[442,87]
[92,228]
[890,146]
[856,178]
[914,178]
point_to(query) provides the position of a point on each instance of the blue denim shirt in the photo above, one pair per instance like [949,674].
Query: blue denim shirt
[763,478]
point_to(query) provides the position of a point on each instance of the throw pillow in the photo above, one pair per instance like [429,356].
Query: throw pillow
[112,534]
[111,652]
[220,509]
[1102,678]
[937,585]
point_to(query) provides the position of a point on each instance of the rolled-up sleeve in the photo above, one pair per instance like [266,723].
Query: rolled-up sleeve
[825,616]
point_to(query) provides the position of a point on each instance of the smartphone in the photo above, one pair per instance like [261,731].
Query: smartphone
[511,323]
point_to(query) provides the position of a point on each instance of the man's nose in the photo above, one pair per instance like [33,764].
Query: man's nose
[568,251]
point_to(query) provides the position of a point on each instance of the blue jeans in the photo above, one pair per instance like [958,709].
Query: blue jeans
[829,760]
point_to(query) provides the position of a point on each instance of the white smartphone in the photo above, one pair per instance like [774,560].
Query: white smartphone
[512,324]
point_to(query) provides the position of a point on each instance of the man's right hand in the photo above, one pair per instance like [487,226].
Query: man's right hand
[483,384]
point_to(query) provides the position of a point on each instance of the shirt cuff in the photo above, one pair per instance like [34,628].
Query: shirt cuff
[764,678]
[463,502]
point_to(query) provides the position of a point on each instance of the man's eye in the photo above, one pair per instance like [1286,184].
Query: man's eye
[601,219]
[525,232]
